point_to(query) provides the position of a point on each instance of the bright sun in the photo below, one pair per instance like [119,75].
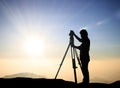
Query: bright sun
[34,46]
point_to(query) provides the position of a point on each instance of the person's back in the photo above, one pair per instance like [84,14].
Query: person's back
[84,48]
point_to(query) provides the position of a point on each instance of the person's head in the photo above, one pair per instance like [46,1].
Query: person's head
[84,33]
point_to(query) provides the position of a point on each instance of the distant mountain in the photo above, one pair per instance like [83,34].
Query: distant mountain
[24,75]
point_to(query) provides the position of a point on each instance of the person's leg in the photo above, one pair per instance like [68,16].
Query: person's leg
[85,72]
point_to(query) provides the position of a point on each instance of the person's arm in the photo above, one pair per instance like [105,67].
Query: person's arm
[77,47]
[79,39]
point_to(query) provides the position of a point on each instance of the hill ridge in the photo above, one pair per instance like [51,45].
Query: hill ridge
[52,83]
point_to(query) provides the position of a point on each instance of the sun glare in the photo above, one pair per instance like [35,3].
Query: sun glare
[34,46]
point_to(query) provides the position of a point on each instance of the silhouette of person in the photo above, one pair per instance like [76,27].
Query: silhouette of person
[84,53]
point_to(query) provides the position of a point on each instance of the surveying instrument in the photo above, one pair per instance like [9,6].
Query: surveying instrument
[73,56]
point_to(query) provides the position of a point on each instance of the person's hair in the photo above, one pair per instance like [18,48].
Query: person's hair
[84,32]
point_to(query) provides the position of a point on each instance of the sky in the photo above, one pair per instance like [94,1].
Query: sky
[34,35]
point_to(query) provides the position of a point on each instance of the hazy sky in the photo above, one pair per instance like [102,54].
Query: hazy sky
[34,35]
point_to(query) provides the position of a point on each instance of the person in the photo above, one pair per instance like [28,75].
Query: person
[84,53]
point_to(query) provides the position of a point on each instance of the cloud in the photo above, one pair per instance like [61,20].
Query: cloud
[96,24]
[118,14]
[99,23]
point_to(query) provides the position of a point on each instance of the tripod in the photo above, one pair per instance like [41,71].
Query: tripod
[73,55]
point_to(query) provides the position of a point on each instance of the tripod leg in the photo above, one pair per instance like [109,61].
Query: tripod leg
[74,63]
[62,60]
[79,62]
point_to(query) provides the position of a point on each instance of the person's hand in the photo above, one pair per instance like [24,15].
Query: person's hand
[72,32]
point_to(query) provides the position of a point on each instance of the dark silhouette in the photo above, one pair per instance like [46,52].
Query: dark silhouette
[73,56]
[51,83]
[84,53]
